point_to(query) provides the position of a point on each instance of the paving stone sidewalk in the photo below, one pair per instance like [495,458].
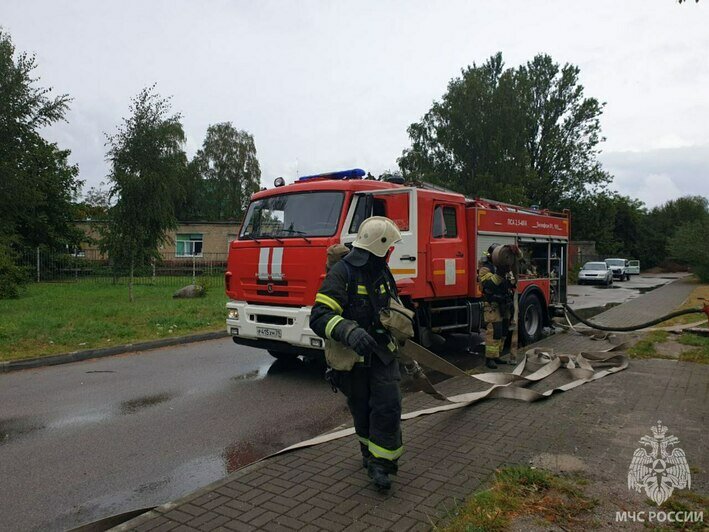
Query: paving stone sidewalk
[450,455]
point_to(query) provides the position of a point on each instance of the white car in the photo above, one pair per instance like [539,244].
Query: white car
[596,272]
[633,267]
[619,267]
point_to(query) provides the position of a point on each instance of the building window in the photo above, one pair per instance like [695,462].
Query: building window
[445,224]
[189,245]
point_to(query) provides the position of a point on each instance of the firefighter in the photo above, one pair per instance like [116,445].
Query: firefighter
[360,353]
[497,293]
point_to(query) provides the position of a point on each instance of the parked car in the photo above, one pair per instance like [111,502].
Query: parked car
[633,267]
[596,272]
[619,267]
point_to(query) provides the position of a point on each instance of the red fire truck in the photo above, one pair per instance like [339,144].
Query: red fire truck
[277,263]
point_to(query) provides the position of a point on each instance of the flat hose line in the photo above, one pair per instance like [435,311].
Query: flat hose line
[638,326]
[542,363]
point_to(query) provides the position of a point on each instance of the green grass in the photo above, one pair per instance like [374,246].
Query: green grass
[700,354]
[645,348]
[522,491]
[57,318]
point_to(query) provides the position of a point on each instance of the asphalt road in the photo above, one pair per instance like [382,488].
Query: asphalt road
[82,441]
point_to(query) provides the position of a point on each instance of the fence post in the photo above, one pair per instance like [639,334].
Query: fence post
[194,273]
[37,263]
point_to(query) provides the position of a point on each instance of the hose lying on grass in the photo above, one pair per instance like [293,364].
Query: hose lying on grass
[704,309]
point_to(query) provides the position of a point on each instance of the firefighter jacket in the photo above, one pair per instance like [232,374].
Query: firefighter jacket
[492,285]
[497,292]
[344,301]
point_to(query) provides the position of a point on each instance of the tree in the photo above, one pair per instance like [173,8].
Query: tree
[525,135]
[689,244]
[663,221]
[95,204]
[37,183]
[229,172]
[147,163]
[611,220]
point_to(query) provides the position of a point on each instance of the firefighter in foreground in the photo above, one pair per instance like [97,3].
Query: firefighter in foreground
[359,351]
[498,288]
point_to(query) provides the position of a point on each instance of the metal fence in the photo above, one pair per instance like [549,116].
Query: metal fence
[91,266]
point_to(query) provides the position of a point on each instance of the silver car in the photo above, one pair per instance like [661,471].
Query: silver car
[596,272]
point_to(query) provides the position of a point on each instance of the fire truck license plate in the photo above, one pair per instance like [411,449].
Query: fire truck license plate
[268,333]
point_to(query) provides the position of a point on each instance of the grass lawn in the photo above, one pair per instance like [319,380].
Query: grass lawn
[52,318]
[652,343]
[521,491]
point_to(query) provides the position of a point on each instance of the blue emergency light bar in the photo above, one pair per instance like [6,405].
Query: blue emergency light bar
[355,173]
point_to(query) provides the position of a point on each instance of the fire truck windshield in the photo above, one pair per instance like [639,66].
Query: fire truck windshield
[300,215]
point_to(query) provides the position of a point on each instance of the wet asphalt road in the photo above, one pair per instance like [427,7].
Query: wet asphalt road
[82,441]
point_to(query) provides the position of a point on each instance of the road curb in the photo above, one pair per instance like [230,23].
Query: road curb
[77,356]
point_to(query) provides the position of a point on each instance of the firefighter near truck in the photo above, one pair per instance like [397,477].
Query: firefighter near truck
[277,262]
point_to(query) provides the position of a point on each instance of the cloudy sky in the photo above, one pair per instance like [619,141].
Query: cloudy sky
[325,85]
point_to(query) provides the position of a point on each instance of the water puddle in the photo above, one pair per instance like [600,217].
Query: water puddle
[254,375]
[646,289]
[13,429]
[82,418]
[237,455]
[16,428]
[290,369]
[587,313]
[136,405]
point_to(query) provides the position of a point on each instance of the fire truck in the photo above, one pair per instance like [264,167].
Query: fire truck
[277,263]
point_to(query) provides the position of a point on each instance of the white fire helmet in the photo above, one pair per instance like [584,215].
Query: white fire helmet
[376,235]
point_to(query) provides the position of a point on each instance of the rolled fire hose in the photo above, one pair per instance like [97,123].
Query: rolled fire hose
[666,317]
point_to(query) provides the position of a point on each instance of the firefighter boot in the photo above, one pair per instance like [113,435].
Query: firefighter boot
[490,363]
[380,477]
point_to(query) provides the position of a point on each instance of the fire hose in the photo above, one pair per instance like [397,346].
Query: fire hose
[695,310]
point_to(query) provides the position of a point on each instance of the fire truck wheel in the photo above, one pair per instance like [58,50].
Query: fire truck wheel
[282,355]
[530,319]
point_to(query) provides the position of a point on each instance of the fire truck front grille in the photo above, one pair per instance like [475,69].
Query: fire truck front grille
[272,288]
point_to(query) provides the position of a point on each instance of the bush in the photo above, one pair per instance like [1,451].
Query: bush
[12,277]
[689,244]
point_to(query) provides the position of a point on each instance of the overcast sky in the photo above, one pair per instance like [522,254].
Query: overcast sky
[326,85]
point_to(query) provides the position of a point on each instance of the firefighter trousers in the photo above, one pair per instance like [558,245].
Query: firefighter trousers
[374,399]
[498,334]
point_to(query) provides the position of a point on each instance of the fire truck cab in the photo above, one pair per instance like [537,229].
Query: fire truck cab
[277,263]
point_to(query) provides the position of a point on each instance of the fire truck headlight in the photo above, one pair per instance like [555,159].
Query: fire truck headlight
[316,342]
[233,314]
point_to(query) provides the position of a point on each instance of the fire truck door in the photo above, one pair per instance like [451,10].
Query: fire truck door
[400,206]
[449,264]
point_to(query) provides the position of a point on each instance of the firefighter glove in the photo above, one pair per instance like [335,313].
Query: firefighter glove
[361,341]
